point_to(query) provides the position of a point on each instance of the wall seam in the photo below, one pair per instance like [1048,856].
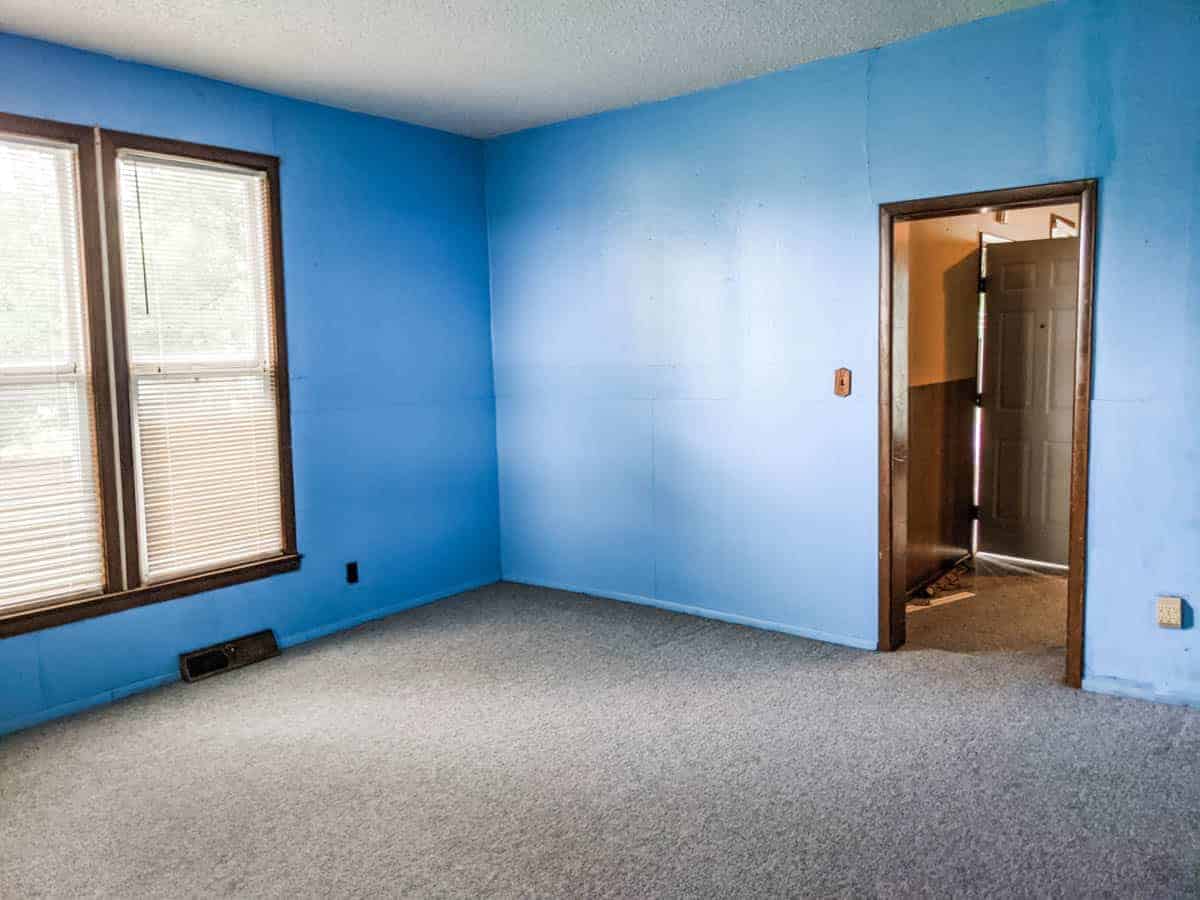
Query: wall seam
[653,500]
[868,71]
[487,243]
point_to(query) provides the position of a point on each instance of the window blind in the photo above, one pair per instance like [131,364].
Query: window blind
[198,307]
[50,531]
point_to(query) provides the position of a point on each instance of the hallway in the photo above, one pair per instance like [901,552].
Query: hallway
[1007,608]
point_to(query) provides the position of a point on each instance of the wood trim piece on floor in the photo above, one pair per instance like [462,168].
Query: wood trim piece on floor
[893,402]
[934,578]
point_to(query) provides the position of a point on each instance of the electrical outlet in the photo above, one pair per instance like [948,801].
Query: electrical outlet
[1170,612]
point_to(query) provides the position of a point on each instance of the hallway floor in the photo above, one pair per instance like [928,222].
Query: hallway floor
[1012,608]
[517,741]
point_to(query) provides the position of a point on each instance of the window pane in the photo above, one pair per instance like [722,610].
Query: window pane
[198,305]
[41,309]
[209,462]
[195,262]
[50,536]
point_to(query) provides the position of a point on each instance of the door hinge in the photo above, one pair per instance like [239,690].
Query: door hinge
[979,400]
[975,511]
[982,284]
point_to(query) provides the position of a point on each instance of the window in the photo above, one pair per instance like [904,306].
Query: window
[195,245]
[184,483]
[50,531]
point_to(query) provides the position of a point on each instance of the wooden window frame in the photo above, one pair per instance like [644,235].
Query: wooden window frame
[123,587]
[893,408]
[95,316]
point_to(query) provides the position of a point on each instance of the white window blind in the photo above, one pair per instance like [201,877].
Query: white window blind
[50,531]
[195,242]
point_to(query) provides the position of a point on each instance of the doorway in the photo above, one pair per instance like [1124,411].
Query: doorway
[984,400]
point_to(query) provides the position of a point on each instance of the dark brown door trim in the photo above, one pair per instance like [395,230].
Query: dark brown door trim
[893,402]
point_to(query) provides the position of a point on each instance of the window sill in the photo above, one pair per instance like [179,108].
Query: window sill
[90,607]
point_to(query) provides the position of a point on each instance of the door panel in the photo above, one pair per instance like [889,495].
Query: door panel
[1011,471]
[1056,483]
[1015,384]
[1060,381]
[1028,388]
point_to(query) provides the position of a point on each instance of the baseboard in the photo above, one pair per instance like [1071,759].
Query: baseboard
[312,634]
[1141,690]
[815,634]
[20,723]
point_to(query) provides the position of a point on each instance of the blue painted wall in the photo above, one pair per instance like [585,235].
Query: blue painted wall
[393,418]
[674,284]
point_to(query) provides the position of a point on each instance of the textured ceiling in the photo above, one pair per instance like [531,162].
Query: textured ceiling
[483,68]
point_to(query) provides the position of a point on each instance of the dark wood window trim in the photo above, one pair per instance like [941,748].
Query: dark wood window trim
[76,610]
[96,317]
[123,588]
[111,143]
[893,416]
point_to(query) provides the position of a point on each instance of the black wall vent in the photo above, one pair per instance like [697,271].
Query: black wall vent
[229,655]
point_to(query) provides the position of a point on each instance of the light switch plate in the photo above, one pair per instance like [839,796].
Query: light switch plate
[841,383]
[1170,612]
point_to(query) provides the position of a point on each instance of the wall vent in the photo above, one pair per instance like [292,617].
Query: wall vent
[228,655]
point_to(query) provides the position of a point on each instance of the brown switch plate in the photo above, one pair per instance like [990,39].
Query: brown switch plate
[841,382]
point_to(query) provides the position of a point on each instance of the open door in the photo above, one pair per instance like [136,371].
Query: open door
[1027,398]
[1034,466]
